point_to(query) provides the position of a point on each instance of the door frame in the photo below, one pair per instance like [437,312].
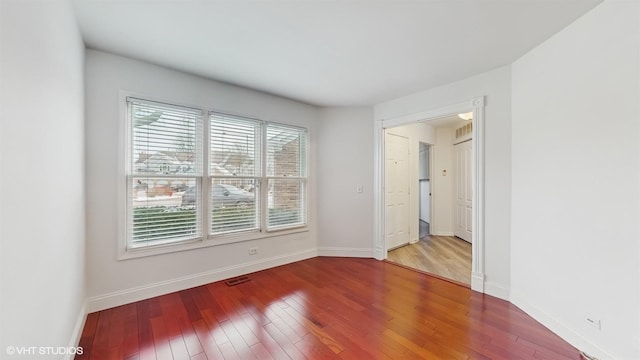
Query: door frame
[477,105]
[430,161]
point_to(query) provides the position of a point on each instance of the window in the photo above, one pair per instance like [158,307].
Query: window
[164,162]
[234,164]
[241,177]
[286,176]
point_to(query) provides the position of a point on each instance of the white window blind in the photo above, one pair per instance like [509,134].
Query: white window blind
[193,175]
[286,174]
[235,171]
[163,174]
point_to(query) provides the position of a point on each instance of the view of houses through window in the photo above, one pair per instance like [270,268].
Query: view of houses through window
[254,178]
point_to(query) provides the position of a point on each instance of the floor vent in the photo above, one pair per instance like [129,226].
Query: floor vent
[237,280]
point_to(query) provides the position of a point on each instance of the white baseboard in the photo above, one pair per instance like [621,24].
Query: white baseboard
[496,290]
[77,329]
[565,332]
[477,282]
[443,233]
[346,252]
[117,298]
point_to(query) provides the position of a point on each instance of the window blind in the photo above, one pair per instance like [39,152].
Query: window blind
[191,176]
[286,165]
[164,173]
[235,171]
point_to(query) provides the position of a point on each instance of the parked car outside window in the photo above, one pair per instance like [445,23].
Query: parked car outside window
[223,196]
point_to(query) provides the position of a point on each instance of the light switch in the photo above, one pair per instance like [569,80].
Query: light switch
[358,188]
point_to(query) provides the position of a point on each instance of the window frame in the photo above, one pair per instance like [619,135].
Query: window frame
[303,178]
[257,176]
[131,173]
[206,238]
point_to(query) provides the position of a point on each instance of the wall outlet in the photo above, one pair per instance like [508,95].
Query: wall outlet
[593,322]
[253,251]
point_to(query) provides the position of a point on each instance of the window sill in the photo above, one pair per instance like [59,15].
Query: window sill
[212,240]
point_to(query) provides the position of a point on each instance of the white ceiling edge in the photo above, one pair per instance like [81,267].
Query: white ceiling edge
[324,53]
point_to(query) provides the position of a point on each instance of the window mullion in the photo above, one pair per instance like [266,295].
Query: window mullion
[206,177]
[264,184]
[171,147]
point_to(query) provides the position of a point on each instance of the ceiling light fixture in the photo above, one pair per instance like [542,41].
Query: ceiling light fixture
[466,116]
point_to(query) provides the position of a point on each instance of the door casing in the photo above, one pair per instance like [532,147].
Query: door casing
[477,105]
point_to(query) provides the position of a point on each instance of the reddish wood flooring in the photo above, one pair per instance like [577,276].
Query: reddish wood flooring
[333,308]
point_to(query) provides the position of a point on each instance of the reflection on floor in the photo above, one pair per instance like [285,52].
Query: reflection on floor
[445,256]
[321,308]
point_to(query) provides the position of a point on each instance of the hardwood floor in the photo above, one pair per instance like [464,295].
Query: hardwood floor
[444,256]
[330,308]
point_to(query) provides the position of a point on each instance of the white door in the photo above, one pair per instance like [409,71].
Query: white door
[464,190]
[396,186]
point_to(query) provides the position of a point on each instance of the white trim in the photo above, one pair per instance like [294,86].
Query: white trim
[117,298]
[222,239]
[346,252]
[571,336]
[497,290]
[432,217]
[76,334]
[168,104]
[123,162]
[429,114]
[379,246]
[477,281]
[477,236]
[442,233]
[205,181]
[477,105]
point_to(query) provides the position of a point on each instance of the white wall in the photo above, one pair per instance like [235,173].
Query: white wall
[416,133]
[112,282]
[345,160]
[496,86]
[42,161]
[575,177]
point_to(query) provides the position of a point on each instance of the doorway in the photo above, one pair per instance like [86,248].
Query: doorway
[477,164]
[424,194]
[439,248]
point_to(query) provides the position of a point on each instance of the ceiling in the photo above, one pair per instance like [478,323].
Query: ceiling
[326,52]
[452,121]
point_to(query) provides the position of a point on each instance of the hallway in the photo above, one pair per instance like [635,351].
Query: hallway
[446,256]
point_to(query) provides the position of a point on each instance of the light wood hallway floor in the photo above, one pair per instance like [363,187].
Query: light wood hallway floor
[445,256]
